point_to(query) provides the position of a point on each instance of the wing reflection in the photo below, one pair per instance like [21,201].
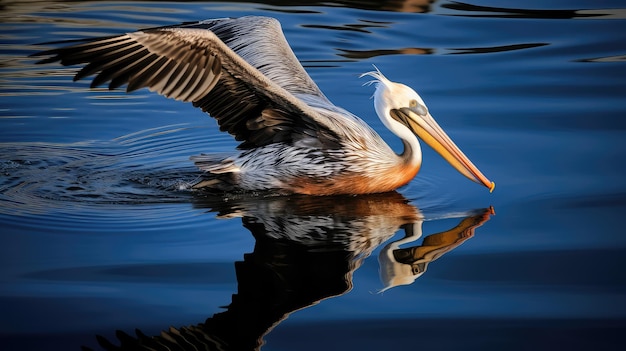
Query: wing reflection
[306,250]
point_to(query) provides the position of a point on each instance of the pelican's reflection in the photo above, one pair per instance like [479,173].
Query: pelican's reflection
[401,266]
[306,250]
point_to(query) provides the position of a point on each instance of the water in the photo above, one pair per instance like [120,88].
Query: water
[97,235]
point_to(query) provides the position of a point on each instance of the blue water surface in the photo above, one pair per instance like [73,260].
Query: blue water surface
[100,233]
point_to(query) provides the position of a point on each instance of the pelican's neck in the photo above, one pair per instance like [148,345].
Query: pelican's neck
[412,153]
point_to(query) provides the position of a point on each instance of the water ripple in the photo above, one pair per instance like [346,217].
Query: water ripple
[150,166]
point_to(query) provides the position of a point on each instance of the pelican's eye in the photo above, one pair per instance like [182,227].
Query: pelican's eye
[417,107]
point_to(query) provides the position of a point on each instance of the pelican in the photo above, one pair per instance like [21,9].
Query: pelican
[242,72]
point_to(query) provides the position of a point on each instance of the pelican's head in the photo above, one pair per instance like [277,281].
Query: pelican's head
[404,112]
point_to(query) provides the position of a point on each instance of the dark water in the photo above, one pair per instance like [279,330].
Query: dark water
[98,233]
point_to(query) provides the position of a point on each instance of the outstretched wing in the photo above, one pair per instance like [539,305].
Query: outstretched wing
[241,71]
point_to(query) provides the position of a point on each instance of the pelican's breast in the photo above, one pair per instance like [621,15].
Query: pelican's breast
[354,182]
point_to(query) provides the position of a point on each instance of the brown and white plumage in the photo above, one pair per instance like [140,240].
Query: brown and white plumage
[243,73]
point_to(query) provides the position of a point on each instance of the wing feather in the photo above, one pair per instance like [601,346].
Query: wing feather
[240,71]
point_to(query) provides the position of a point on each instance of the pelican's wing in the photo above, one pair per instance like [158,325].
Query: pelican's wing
[241,71]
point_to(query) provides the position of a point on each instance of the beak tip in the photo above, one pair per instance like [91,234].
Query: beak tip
[493,186]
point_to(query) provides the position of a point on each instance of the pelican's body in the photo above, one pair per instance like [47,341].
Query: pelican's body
[293,139]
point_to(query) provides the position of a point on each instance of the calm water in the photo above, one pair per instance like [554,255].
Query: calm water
[97,235]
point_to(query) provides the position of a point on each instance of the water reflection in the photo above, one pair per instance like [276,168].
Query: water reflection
[366,54]
[470,10]
[500,48]
[306,250]
[25,9]
[401,266]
